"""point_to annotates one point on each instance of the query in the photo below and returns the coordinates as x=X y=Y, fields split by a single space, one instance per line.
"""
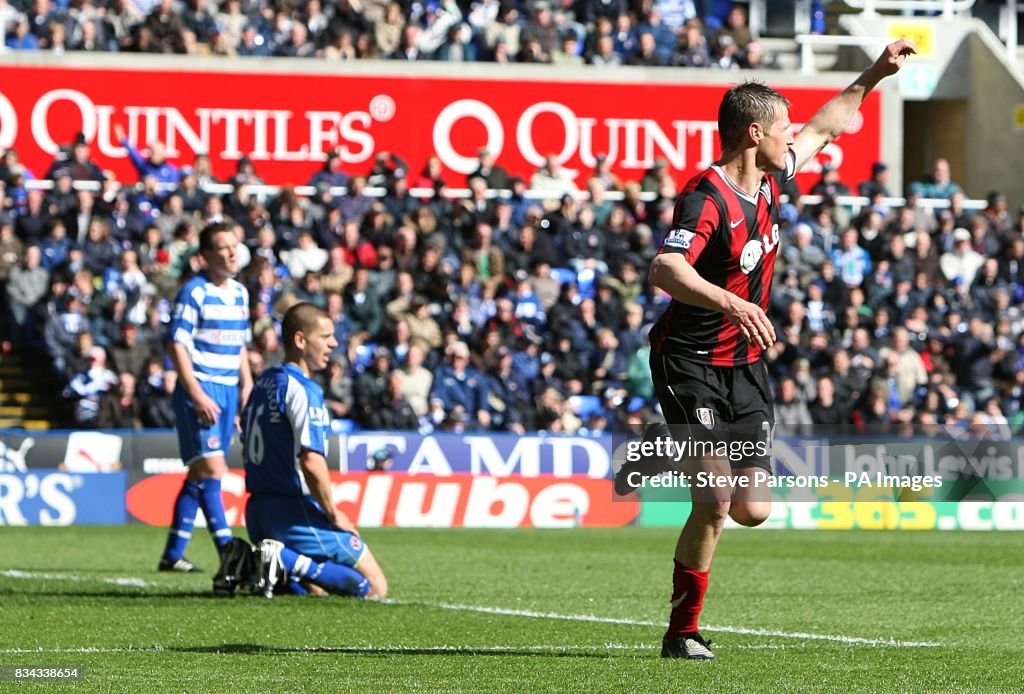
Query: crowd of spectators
x=901 y=321
x=597 y=32
x=512 y=313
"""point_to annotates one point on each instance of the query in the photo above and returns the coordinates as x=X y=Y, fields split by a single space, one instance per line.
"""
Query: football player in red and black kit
x=717 y=263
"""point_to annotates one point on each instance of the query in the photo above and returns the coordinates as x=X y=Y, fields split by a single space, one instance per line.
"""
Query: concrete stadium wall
x=994 y=144
x=961 y=95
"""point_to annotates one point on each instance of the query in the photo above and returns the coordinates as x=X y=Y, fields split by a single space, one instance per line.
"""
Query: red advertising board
x=402 y=500
x=286 y=123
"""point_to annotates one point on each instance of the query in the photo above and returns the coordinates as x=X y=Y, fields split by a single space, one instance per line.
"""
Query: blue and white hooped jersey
x=213 y=323
x=285 y=415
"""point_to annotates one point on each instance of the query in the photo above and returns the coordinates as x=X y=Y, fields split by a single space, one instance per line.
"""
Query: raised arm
x=832 y=118
x=140 y=164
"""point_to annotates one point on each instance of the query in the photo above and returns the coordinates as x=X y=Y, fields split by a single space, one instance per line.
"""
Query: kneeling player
x=290 y=514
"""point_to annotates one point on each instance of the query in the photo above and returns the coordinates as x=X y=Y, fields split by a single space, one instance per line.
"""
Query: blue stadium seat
x=564 y=275
x=343 y=426
x=636 y=403
x=586 y=283
x=364 y=356
x=585 y=405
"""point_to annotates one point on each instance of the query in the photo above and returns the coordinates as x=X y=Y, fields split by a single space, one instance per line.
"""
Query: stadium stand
x=702 y=33
x=895 y=305
x=910 y=309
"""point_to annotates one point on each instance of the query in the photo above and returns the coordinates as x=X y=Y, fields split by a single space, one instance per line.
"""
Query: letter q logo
x=8 y=123
x=446 y=120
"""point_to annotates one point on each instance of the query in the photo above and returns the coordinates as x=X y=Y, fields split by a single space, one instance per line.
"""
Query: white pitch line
x=560 y=648
x=853 y=640
x=525 y=648
x=127 y=581
x=80 y=649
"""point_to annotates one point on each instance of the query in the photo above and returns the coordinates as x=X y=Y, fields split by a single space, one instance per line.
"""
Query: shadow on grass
x=113 y=594
x=257 y=649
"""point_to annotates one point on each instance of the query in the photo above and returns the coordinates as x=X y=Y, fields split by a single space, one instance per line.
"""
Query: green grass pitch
x=528 y=610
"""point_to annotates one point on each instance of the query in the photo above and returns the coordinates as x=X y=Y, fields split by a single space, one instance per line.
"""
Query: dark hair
x=211 y=230
x=750 y=102
x=300 y=318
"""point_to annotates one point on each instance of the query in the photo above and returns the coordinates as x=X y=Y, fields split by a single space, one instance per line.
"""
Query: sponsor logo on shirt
x=755 y=249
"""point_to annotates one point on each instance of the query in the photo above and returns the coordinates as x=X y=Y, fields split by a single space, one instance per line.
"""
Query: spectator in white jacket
x=307 y=256
x=962 y=263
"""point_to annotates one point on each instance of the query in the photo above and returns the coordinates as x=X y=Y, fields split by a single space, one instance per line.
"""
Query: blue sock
x=185 y=508
x=297 y=588
x=334 y=577
x=213 y=508
x=290 y=560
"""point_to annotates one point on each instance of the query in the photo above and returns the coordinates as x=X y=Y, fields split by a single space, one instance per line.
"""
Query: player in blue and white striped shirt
x=208 y=338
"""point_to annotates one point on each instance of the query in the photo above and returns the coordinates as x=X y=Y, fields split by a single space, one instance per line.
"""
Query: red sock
x=688 y=588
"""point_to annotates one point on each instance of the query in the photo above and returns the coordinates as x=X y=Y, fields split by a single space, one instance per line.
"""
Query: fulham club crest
x=706 y=416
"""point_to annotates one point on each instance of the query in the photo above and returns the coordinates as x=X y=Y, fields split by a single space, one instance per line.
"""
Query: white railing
x=261 y=192
x=809 y=41
x=1006 y=30
x=949 y=8
x=1008 y=11
x=854 y=202
x=1008 y=27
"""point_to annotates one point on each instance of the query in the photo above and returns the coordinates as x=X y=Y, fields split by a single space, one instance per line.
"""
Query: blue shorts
x=301 y=526
x=196 y=440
